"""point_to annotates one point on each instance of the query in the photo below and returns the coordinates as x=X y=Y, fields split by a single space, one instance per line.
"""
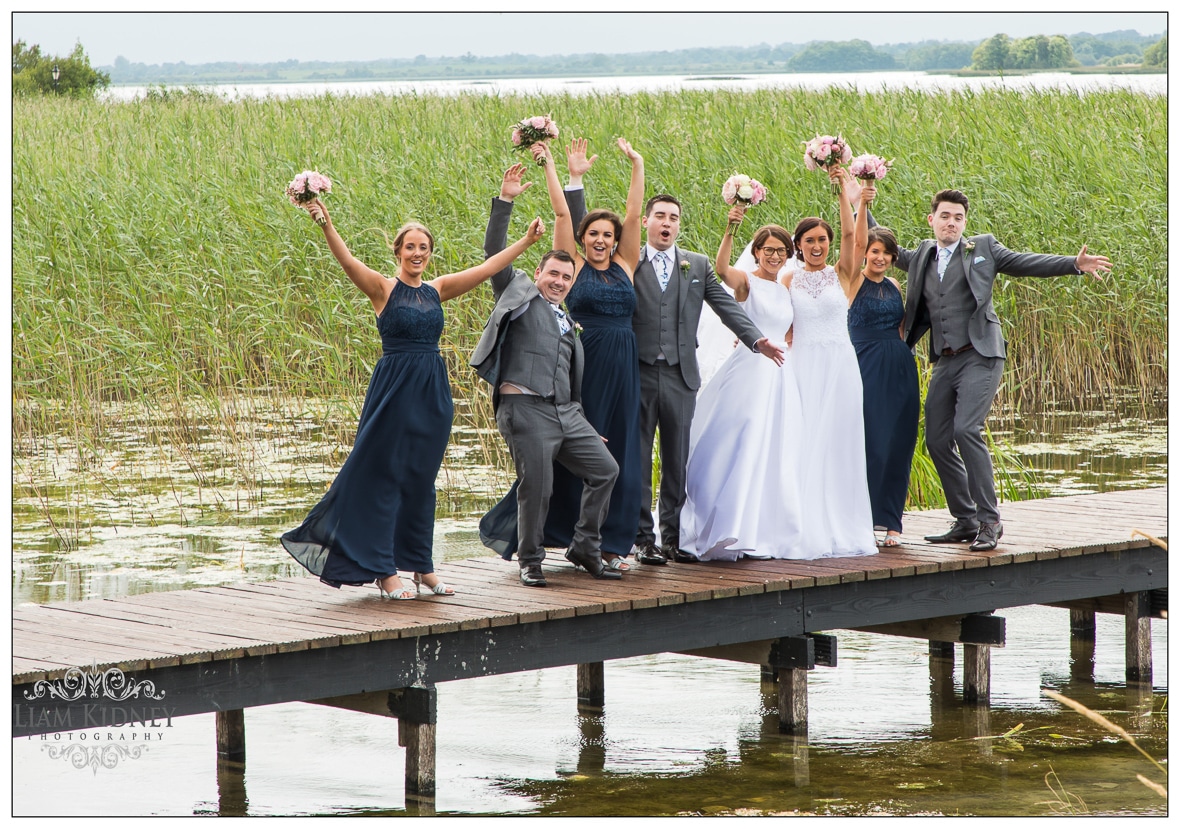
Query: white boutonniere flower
x=685 y=265
x=968 y=246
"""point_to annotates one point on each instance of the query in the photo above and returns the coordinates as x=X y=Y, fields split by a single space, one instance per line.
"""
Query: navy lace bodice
x=877 y=305
x=606 y=293
x=411 y=315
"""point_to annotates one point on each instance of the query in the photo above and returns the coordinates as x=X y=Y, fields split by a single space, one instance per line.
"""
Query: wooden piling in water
x=591 y=687
x=1138 y=623
x=231 y=735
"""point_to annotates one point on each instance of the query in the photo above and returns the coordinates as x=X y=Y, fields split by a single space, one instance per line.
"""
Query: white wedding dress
x=746 y=447
x=838 y=520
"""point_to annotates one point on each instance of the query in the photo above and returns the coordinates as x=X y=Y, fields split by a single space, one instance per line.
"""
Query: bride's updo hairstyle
x=806 y=225
x=765 y=234
x=598 y=216
x=400 y=238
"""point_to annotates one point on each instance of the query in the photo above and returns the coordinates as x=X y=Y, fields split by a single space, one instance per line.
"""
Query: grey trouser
x=666 y=402
x=539 y=432
x=958 y=400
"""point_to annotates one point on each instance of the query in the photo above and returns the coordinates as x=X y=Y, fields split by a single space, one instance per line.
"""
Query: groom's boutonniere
x=968 y=246
x=685 y=265
x=577 y=329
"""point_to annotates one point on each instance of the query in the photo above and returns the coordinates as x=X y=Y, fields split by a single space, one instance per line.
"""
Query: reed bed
x=155 y=257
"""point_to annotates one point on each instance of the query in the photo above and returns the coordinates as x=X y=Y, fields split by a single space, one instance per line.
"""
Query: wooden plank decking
x=240 y=645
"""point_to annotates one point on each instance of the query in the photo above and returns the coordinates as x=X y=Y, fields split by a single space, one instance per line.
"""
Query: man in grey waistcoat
x=949 y=293
x=530 y=354
x=671 y=286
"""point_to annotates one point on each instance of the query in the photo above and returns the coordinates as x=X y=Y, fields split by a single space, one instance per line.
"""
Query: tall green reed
x=155 y=257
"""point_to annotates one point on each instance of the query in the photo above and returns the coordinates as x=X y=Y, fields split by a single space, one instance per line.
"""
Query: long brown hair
x=598 y=216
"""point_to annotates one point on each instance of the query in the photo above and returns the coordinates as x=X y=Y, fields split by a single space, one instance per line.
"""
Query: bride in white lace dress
x=838 y=519
x=745 y=448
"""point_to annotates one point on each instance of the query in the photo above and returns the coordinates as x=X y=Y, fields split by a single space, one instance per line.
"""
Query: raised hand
x=837 y=175
x=852 y=186
x=1092 y=263
x=316 y=208
x=536 y=231
x=575 y=158
x=868 y=192
x=514 y=184
x=628 y=150
x=540 y=152
x=736 y=214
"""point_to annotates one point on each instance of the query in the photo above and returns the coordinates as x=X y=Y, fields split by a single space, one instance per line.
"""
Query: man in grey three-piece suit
x=949 y=293
x=531 y=355
x=671 y=286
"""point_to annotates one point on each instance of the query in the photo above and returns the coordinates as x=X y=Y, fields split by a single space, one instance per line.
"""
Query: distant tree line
x=31 y=71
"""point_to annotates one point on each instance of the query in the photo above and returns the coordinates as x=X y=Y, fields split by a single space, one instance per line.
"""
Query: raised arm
x=737 y=279
x=563 y=229
x=575 y=193
x=495 y=237
x=375 y=286
x=627 y=253
x=846 y=264
x=456 y=284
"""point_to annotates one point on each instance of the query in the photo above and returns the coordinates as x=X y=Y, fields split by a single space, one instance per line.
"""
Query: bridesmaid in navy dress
x=378 y=516
x=890 y=380
x=601 y=303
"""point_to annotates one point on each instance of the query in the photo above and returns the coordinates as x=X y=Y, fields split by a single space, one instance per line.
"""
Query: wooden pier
x=225 y=649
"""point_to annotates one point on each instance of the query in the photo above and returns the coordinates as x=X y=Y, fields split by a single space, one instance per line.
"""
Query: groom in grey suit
x=671 y=286
x=949 y=293
x=531 y=355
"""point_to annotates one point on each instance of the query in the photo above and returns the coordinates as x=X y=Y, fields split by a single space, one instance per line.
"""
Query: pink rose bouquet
x=869 y=167
x=307 y=187
x=741 y=189
x=528 y=131
x=826 y=151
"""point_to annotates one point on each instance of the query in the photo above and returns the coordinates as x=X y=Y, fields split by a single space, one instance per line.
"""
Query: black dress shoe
x=649 y=553
x=989 y=534
x=531 y=575
x=681 y=557
x=592 y=565
x=960 y=531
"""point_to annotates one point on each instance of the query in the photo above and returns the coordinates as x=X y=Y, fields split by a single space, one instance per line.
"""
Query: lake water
x=861 y=81
x=143 y=512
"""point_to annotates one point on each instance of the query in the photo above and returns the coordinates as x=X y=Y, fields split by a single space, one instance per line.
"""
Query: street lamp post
x=56 y=75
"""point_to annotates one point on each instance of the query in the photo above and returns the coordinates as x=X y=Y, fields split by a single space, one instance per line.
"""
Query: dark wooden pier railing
x=225 y=649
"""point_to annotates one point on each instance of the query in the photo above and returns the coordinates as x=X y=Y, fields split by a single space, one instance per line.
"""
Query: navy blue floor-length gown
x=602 y=303
x=378 y=516
x=890 y=380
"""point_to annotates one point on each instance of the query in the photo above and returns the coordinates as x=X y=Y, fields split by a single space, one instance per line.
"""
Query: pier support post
x=1083 y=633
x=1138 y=617
x=977 y=674
x=792 y=700
x=591 y=687
x=416 y=709
x=231 y=735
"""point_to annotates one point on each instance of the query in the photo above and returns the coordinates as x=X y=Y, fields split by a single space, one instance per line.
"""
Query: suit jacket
x=698 y=285
x=514 y=289
x=981 y=263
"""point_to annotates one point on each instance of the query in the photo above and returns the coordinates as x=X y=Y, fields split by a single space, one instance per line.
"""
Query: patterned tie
x=563 y=323
x=662 y=272
x=944 y=258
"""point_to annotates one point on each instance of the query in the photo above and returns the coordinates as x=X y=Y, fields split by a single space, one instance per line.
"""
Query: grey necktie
x=944 y=258
x=662 y=271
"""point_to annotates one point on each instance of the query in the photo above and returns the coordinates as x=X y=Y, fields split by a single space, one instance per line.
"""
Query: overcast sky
x=160 y=37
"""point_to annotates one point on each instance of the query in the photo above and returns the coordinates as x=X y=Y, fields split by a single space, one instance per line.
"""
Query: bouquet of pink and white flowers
x=528 y=131
x=869 y=167
x=307 y=187
x=741 y=189
x=825 y=151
